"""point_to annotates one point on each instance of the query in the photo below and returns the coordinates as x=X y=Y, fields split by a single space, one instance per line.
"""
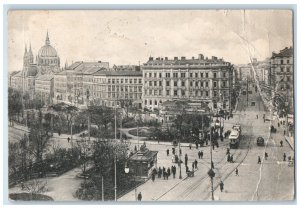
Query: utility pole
x=247 y=90
x=102 y=193
x=211 y=167
x=115 y=177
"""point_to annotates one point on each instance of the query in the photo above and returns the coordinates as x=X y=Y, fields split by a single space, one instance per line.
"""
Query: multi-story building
x=281 y=76
x=60 y=87
x=116 y=87
x=44 y=88
x=196 y=79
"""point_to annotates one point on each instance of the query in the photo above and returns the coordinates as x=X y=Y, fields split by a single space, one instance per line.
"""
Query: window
x=201 y=84
x=183 y=93
x=130 y=80
x=117 y=80
x=155 y=102
x=215 y=93
x=175 y=75
x=150 y=83
x=206 y=75
x=175 y=83
x=155 y=83
x=168 y=83
x=175 y=92
x=154 y=75
x=150 y=75
x=168 y=75
x=145 y=102
x=201 y=75
x=160 y=75
x=182 y=75
x=135 y=80
x=168 y=92
x=224 y=75
x=215 y=75
x=145 y=77
x=191 y=75
x=224 y=84
x=140 y=80
x=201 y=93
x=288 y=61
x=207 y=93
x=196 y=75
x=160 y=83
x=191 y=83
x=159 y=92
x=196 y=83
x=281 y=69
x=113 y=80
x=215 y=84
x=182 y=83
x=206 y=84
x=126 y=80
x=288 y=69
x=281 y=61
x=150 y=102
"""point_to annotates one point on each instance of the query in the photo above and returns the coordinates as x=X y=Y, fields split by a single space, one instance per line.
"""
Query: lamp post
x=115 y=177
x=211 y=173
x=179 y=152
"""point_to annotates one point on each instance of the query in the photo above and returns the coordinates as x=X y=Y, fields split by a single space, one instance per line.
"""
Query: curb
x=289 y=143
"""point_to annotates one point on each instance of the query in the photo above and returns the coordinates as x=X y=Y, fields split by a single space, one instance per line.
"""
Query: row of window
x=126 y=80
x=131 y=96
x=288 y=69
x=183 y=75
x=121 y=88
x=176 y=93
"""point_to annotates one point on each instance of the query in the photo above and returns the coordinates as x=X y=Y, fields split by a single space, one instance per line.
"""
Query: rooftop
x=119 y=73
x=286 y=52
x=45 y=77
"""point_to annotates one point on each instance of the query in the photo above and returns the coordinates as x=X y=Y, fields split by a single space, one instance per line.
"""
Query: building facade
x=281 y=77
x=44 y=88
x=196 y=79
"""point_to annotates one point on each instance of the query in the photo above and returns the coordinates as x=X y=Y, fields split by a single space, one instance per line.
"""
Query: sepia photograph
x=151 y=105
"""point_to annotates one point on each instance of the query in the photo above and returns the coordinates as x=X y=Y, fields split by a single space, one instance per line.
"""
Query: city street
x=254 y=181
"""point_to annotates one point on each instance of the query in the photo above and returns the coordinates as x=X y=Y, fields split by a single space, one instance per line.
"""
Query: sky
x=128 y=37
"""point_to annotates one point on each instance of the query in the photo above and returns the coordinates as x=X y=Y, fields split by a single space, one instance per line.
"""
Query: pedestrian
x=193 y=165
x=68 y=139
x=199 y=154
x=185 y=159
x=259 y=160
x=180 y=153
x=59 y=132
x=284 y=157
x=173 y=171
x=140 y=196
x=256 y=116
x=228 y=158
x=190 y=145
x=159 y=172
x=164 y=175
x=169 y=172
x=196 y=163
x=228 y=151
x=153 y=176
x=167 y=152
x=167 y=175
x=221 y=186
x=236 y=172
x=231 y=159
x=173 y=150
x=186 y=169
x=281 y=143
x=266 y=155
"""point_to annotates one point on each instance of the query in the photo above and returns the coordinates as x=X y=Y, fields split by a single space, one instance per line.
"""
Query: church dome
x=47 y=51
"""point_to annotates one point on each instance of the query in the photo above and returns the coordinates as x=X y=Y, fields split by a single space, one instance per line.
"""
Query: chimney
x=175 y=58
x=99 y=61
x=206 y=58
x=150 y=58
x=166 y=58
x=182 y=58
x=200 y=56
x=193 y=58
x=157 y=58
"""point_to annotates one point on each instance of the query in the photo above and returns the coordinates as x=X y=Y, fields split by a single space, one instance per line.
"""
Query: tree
x=38 y=138
x=15 y=106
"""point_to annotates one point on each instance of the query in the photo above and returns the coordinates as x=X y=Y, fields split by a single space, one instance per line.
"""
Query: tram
x=234 y=138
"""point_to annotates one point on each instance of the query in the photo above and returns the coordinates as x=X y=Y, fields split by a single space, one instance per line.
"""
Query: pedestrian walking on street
x=169 y=171
x=259 y=160
x=164 y=174
x=199 y=154
x=167 y=152
x=68 y=139
x=221 y=186
x=266 y=155
x=173 y=171
x=153 y=177
x=185 y=159
x=196 y=163
x=256 y=116
x=173 y=150
x=140 y=196
x=228 y=158
x=231 y=159
x=228 y=151
x=159 y=172
x=236 y=172
x=284 y=157
x=281 y=143
x=180 y=153
x=193 y=165
x=190 y=145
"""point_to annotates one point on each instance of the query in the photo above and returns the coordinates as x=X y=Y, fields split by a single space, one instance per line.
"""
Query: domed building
x=47 y=55
x=37 y=78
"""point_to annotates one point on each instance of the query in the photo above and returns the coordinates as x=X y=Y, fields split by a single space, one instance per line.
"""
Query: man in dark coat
x=196 y=164
x=167 y=152
x=199 y=154
x=221 y=186
x=259 y=160
x=281 y=143
x=169 y=172
x=153 y=177
x=186 y=159
x=140 y=196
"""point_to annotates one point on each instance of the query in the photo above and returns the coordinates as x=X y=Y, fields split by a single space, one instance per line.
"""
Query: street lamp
x=211 y=173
